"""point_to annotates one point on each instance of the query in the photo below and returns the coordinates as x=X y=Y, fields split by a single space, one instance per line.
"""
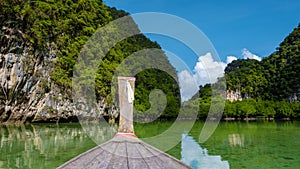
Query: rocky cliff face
x=27 y=93
x=233 y=95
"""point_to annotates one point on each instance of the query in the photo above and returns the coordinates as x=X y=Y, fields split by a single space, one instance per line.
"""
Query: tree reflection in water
x=47 y=145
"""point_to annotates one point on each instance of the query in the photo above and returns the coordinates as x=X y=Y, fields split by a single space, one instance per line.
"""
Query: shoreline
x=227 y=119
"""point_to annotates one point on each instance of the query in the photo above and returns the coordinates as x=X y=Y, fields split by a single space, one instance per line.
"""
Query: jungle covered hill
x=265 y=89
x=39 y=44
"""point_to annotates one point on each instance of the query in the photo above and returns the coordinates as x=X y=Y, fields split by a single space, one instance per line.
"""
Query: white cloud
x=206 y=71
x=188 y=85
x=230 y=59
x=248 y=55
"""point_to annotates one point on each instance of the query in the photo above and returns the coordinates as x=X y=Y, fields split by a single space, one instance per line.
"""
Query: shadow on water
x=197 y=157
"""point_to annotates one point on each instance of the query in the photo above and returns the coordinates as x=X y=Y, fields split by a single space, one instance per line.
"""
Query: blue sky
x=231 y=25
x=236 y=28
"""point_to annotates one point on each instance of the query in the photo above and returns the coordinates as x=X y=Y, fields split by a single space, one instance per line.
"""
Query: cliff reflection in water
x=197 y=157
x=236 y=140
x=47 y=145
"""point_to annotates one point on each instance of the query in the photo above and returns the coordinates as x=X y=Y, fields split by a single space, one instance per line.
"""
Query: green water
x=272 y=145
x=244 y=145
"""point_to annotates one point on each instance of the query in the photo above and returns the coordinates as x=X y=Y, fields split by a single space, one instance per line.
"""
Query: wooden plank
x=124 y=152
x=96 y=161
x=136 y=160
x=81 y=159
x=119 y=158
x=167 y=160
x=88 y=158
x=152 y=160
x=109 y=157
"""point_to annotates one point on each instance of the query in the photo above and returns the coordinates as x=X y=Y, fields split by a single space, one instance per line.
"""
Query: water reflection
x=236 y=140
x=196 y=157
x=48 y=145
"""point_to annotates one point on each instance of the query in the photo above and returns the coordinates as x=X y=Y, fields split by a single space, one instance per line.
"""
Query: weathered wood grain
x=124 y=152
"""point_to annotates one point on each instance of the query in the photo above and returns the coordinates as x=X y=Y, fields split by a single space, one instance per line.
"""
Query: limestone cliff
x=233 y=95
x=27 y=93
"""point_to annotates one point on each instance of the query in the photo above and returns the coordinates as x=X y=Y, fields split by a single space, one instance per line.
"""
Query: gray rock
x=23 y=98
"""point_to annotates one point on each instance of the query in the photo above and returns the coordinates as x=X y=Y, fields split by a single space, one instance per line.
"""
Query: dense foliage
x=251 y=108
x=274 y=78
x=61 y=28
x=269 y=88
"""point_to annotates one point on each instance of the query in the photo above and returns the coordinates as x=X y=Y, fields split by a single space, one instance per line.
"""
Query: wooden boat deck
x=123 y=152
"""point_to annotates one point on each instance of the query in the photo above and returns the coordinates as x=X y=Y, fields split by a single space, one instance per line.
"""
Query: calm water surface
x=234 y=144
